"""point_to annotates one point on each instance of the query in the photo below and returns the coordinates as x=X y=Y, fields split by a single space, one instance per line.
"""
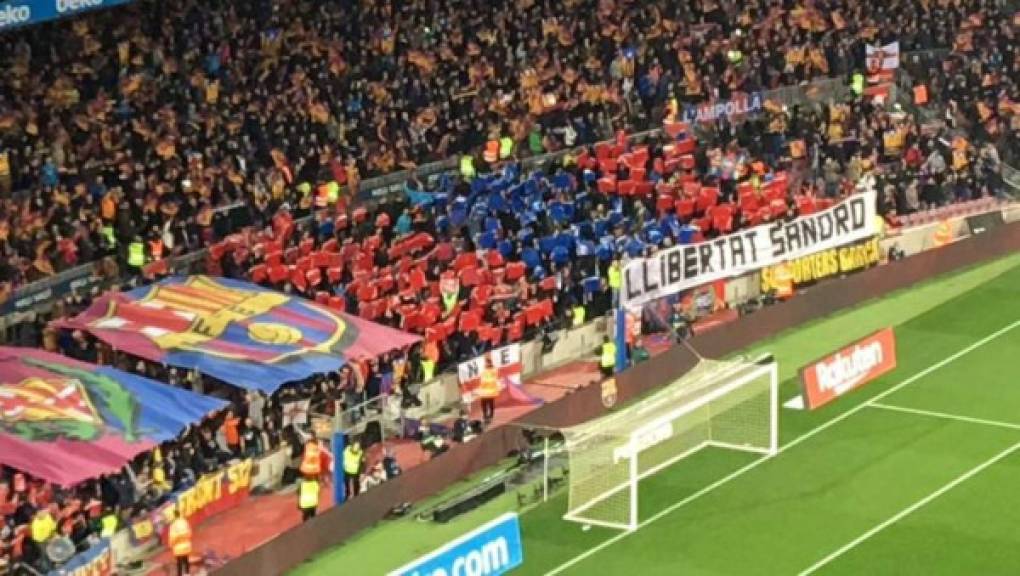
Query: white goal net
x=730 y=405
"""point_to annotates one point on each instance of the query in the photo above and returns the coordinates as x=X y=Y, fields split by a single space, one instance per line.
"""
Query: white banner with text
x=690 y=265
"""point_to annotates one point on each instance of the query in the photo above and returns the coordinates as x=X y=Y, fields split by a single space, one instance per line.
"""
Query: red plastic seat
x=722 y=218
x=685 y=207
x=685 y=146
x=494 y=259
x=314 y=277
x=514 y=271
x=278 y=273
x=548 y=283
x=465 y=260
x=258 y=273
x=664 y=204
x=607 y=185
x=707 y=198
x=298 y=279
x=338 y=303
x=471 y=277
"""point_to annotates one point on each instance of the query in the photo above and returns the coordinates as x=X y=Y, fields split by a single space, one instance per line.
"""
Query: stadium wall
x=340 y=523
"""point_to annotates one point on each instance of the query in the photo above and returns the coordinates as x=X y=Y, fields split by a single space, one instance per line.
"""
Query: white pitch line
x=911 y=509
x=945 y=416
x=810 y=433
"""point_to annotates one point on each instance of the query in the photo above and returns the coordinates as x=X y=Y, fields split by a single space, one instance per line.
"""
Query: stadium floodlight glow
x=729 y=405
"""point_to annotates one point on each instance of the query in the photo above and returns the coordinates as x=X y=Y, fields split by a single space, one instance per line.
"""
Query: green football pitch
x=916 y=473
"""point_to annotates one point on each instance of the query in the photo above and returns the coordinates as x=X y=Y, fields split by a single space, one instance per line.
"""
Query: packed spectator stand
x=152 y=117
x=144 y=120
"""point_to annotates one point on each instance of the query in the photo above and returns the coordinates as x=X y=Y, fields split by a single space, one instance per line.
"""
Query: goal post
x=729 y=405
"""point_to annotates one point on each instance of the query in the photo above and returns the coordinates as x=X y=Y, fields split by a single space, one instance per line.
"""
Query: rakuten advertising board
x=849 y=368
x=490 y=550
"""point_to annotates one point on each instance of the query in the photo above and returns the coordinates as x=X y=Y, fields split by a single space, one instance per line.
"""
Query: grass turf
x=784 y=515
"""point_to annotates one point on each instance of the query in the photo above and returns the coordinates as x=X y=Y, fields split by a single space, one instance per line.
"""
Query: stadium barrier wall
x=338 y=524
x=267 y=474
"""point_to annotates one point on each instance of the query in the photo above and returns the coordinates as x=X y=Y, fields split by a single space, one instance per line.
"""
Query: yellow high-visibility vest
x=428 y=369
x=608 y=355
x=111 y=236
x=308 y=494
x=615 y=276
x=467 y=167
x=108 y=526
x=179 y=537
x=352 y=460
x=578 y=316
x=136 y=255
x=43 y=527
x=489 y=385
x=506 y=147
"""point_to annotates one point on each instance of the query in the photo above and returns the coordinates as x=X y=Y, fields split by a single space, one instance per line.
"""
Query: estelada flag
x=882 y=61
x=67 y=421
x=240 y=333
x=507 y=362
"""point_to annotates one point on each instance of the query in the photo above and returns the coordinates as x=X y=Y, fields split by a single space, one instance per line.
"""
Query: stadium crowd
x=142 y=123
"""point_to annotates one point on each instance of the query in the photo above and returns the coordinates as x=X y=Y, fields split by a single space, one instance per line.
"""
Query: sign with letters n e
x=490 y=550
x=690 y=265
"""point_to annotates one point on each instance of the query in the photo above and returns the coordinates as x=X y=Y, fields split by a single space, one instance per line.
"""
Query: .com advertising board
x=17 y=13
x=490 y=550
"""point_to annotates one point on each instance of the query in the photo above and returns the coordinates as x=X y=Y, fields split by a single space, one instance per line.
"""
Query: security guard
x=311 y=461
x=488 y=390
x=607 y=357
x=615 y=279
x=353 y=457
x=678 y=322
x=136 y=253
x=467 y=167
x=783 y=281
x=179 y=539
x=308 y=498
x=578 y=314
x=506 y=147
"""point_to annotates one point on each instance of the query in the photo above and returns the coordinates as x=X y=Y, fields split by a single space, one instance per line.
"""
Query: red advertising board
x=848 y=369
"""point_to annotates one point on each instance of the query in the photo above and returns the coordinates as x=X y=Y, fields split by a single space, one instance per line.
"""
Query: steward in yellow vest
x=607 y=357
x=308 y=498
x=179 y=540
x=136 y=253
x=352 y=468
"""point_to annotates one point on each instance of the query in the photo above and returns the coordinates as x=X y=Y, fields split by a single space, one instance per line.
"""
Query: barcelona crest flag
x=238 y=332
x=67 y=421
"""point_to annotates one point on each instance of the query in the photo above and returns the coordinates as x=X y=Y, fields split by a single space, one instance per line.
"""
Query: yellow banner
x=827 y=263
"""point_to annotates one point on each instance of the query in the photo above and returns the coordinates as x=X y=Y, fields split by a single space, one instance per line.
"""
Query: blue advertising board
x=490 y=550
x=17 y=13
